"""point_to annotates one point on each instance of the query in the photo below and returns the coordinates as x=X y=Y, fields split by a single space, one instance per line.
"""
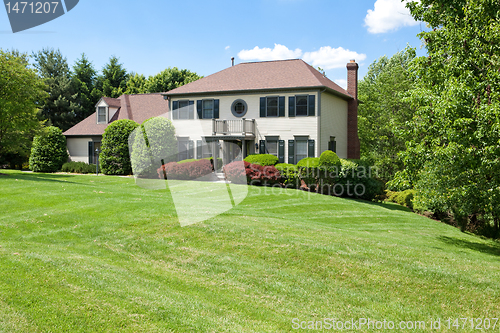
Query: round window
x=239 y=108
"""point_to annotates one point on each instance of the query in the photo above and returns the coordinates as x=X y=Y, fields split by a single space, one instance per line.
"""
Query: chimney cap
x=352 y=60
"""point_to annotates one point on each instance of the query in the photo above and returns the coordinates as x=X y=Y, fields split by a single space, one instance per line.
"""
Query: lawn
x=87 y=253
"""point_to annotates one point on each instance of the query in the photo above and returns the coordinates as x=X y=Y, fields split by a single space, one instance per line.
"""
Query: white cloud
x=279 y=52
x=328 y=57
x=341 y=82
x=227 y=47
x=388 y=15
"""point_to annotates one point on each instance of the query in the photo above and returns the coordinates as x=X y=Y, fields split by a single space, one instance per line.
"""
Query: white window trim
x=106 y=108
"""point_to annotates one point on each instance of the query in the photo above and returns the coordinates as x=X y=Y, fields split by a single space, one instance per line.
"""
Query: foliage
x=199 y=170
x=235 y=172
x=329 y=169
x=20 y=94
x=262 y=159
x=153 y=144
x=136 y=84
x=403 y=198
x=48 y=152
x=78 y=167
x=289 y=175
x=114 y=157
x=384 y=111
x=113 y=81
x=308 y=169
x=453 y=147
x=255 y=174
x=357 y=181
x=400 y=182
x=61 y=107
x=169 y=79
x=84 y=79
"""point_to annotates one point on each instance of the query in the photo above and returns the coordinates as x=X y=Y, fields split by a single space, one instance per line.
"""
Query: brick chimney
x=352 y=111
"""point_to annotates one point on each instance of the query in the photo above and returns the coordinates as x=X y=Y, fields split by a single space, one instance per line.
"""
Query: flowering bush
x=255 y=174
x=186 y=171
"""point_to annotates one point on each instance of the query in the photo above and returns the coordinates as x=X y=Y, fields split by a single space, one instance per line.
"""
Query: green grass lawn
x=87 y=253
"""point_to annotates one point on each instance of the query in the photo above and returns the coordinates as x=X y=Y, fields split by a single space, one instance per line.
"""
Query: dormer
x=106 y=108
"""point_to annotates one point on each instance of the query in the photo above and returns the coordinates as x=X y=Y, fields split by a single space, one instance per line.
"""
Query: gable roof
x=134 y=107
x=265 y=75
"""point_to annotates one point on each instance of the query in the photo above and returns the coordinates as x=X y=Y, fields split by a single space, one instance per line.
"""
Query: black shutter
x=310 y=148
x=262 y=107
x=291 y=106
x=281 y=151
x=291 y=151
x=199 y=149
x=312 y=106
x=216 y=108
x=191 y=149
x=175 y=110
x=199 y=109
x=91 y=152
x=332 y=145
x=191 y=109
x=281 y=105
x=262 y=146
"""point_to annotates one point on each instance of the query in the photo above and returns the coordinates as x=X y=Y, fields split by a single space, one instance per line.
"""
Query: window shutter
x=216 y=108
x=291 y=151
x=175 y=110
x=191 y=149
x=262 y=146
x=312 y=106
x=332 y=145
x=191 y=109
x=91 y=152
x=291 y=106
x=262 y=107
x=199 y=109
x=281 y=151
x=281 y=105
x=199 y=149
x=310 y=148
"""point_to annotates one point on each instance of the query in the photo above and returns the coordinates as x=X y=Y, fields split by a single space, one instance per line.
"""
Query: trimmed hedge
x=262 y=159
x=79 y=167
x=308 y=169
x=255 y=174
x=49 y=152
x=289 y=175
x=403 y=198
x=356 y=181
x=199 y=169
x=115 y=157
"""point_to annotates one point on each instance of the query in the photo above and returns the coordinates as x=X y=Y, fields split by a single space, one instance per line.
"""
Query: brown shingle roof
x=135 y=107
x=281 y=74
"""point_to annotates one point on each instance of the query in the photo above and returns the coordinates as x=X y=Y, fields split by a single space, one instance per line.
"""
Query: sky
x=202 y=36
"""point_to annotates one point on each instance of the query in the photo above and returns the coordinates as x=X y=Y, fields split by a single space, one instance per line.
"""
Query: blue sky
x=202 y=36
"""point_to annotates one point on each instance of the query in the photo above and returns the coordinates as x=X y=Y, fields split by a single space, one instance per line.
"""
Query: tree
x=115 y=156
x=384 y=112
x=48 y=153
x=452 y=157
x=113 y=81
x=136 y=84
x=22 y=91
x=60 y=108
x=169 y=79
x=84 y=82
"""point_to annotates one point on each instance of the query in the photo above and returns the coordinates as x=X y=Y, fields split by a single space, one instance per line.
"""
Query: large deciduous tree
x=21 y=93
x=453 y=157
x=169 y=79
x=384 y=112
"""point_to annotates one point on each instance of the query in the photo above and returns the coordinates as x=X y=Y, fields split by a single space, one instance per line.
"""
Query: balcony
x=243 y=127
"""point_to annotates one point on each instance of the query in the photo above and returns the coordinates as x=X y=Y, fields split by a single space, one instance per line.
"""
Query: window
x=272 y=106
x=301 y=150
x=208 y=109
x=239 y=108
x=183 y=148
x=183 y=109
x=203 y=149
x=101 y=115
x=272 y=147
x=301 y=105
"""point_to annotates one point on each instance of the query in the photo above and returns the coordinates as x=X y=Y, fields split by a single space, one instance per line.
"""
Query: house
x=285 y=108
x=85 y=137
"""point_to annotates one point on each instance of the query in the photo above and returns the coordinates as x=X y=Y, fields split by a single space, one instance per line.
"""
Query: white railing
x=240 y=126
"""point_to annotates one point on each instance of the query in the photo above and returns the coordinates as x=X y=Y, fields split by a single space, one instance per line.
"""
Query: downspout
x=319 y=121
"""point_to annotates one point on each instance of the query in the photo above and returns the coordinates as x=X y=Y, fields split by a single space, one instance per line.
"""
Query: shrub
x=329 y=159
x=115 y=156
x=329 y=169
x=404 y=198
x=219 y=162
x=356 y=181
x=308 y=169
x=289 y=175
x=400 y=182
x=153 y=144
x=186 y=171
x=255 y=174
x=262 y=159
x=78 y=167
x=48 y=152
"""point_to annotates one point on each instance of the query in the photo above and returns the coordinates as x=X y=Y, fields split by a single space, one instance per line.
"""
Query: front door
x=232 y=151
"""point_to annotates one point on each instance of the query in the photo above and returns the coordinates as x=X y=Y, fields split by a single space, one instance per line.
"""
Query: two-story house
x=285 y=108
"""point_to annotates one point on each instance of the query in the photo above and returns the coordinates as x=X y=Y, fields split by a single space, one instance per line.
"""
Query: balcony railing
x=245 y=127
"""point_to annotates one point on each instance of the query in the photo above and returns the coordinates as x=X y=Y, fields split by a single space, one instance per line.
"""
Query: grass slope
x=86 y=253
